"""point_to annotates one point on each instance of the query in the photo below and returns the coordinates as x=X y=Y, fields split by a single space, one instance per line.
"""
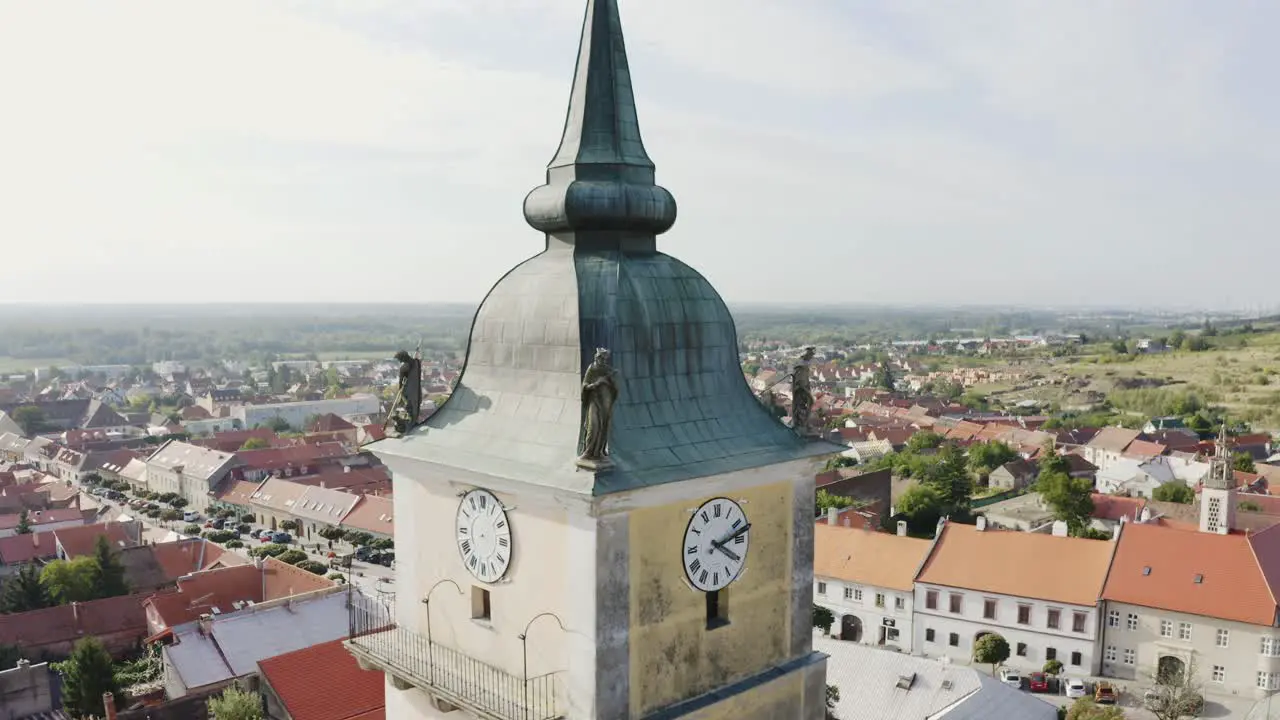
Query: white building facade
x=883 y=615
x=948 y=621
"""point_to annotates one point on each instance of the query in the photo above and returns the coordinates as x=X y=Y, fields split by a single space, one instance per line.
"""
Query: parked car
x=190 y=516
x=1075 y=688
x=1104 y=693
x=99 y=491
x=340 y=561
x=1038 y=682
x=1010 y=677
x=281 y=537
x=265 y=535
x=364 y=552
x=216 y=523
x=115 y=495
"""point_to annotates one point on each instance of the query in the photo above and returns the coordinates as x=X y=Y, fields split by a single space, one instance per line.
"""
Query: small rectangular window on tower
x=717 y=609
x=480 y=608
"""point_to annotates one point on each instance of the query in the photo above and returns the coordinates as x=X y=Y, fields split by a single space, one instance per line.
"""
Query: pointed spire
x=601 y=178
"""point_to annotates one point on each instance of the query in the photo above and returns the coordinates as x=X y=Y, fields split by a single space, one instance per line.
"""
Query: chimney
x=1145 y=516
x=846 y=522
x=982 y=523
x=109 y=705
x=1115 y=533
x=902 y=528
x=322 y=485
x=1059 y=528
x=75 y=612
x=833 y=516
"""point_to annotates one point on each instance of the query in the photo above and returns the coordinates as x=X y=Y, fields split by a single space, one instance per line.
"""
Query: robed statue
x=599 y=393
x=407 y=407
x=801 y=393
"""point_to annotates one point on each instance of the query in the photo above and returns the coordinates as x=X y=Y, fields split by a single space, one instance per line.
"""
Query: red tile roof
x=1145 y=449
x=324 y=682
x=1111 y=507
x=863 y=519
x=199 y=593
x=37 y=518
x=294 y=456
x=71 y=622
x=1157 y=566
x=77 y=541
x=372 y=514
x=18 y=549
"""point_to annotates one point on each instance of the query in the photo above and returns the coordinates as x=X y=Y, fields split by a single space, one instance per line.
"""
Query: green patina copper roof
x=684 y=408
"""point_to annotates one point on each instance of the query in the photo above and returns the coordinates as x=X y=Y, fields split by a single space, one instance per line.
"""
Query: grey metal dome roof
x=684 y=409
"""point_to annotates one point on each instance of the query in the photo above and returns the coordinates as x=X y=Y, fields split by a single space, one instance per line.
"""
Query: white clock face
x=715 y=544
x=484 y=536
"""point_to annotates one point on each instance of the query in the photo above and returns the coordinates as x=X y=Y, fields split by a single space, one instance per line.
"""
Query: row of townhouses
x=1159 y=596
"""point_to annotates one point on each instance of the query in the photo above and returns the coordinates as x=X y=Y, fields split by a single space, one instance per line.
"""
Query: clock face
x=484 y=536
x=715 y=544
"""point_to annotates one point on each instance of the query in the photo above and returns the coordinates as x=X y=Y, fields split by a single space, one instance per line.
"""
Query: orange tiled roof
x=1030 y=565
x=1112 y=507
x=324 y=682
x=1145 y=449
x=372 y=514
x=1233 y=585
x=82 y=539
x=863 y=556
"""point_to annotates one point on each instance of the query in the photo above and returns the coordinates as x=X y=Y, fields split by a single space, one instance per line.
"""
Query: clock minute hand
x=730 y=536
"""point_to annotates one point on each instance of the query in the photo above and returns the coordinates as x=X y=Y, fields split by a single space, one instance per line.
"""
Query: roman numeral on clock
x=695 y=565
x=740 y=539
x=692 y=550
x=503 y=542
x=716 y=510
x=466 y=547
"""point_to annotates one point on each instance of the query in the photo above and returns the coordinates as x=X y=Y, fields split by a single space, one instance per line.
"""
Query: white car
x=190 y=516
x=1075 y=688
x=1011 y=678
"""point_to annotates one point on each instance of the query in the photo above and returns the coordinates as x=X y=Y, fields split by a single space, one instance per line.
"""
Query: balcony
x=446 y=674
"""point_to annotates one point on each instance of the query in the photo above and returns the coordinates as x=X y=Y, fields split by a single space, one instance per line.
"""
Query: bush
x=383 y=544
x=289 y=526
x=312 y=566
x=153 y=513
x=170 y=515
x=337 y=577
x=167 y=497
x=269 y=550
x=224 y=513
x=244 y=528
x=1053 y=667
x=234 y=544
x=247 y=518
x=293 y=557
x=220 y=536
x=178 y=502
x=192 y=529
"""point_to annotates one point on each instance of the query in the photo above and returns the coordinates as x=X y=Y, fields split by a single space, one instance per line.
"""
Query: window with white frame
x=1166 y=628
x=857 y=594
x=848 y=593
x=1113 y=619
x=822 y=588
x=1130 y=656
x=1223 y=637
x=879 y=600
x=1184 y=631
x=899 y=603
x=1269 y=646
x=1219 y=673
x=1110 y=654
x=1132 y=622
x=1268 y=681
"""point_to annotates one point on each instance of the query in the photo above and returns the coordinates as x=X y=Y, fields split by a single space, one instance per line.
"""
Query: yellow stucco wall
x=673 y=655
x=776 y=700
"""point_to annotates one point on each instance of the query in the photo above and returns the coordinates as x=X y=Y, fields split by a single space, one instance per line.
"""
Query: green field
x=9 y=365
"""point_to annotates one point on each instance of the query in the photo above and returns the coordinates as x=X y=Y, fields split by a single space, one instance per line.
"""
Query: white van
x=190 y=516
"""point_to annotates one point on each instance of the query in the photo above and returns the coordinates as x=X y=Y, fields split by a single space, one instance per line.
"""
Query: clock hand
x=730 y=536
x=732 y=555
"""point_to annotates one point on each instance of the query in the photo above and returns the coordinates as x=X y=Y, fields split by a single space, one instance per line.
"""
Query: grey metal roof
x=684 y=408
x=237 y=641
x=868 y=680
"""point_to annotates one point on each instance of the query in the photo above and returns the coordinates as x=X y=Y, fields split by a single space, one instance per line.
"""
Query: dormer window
x=1199 y=579
x=1146 y=570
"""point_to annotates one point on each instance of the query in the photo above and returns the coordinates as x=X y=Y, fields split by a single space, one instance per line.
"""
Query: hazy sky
x=894 y=151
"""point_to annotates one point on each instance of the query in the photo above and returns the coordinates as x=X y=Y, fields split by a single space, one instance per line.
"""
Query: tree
x=823 y=619
x=331 y=532
x=839 y=461
x=986 y=457
x=948 y=474
x=1070 y=499
x=1086 y=709
x=70 y=581
x=235 y=704
x=833 y=699
x=1177 y=339
x=1174 y=491
x=30 y=418
x=279 y=424
x=24 y=522
x=110 y=580
x=991 y=649
x=171 y=514
x=922 y=507
x=255 y=443
x=826 y=501
x=1052 y=667
x=1175 y=694
x=289 y=526
x=1243 y=462
x=884 y=377
x=924 y=440
x=24 y=592
x=86 y=675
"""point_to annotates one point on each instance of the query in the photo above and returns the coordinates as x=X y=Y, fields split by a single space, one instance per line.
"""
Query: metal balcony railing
x=446 y=672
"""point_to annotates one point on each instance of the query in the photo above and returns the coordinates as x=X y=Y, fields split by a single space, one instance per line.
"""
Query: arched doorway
x=850 y=628
x=1169 y=670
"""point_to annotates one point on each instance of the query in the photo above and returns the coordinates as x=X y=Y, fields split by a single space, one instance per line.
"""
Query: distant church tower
x=1218 y=496
x=602 y=521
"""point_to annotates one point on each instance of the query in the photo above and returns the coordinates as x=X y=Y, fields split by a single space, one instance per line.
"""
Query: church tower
x=602 y=521
x=1218 y=496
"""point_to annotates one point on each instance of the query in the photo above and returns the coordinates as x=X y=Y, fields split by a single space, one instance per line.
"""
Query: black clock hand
x=730 y=536
x=732 y=555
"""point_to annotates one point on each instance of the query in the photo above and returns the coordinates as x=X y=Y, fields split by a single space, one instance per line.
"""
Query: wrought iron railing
x=449 y=673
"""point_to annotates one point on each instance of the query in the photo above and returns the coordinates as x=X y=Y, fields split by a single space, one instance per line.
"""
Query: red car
x=1038 y=682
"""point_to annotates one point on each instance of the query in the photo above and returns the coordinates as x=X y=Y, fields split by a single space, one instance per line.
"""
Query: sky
x=907 y=152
